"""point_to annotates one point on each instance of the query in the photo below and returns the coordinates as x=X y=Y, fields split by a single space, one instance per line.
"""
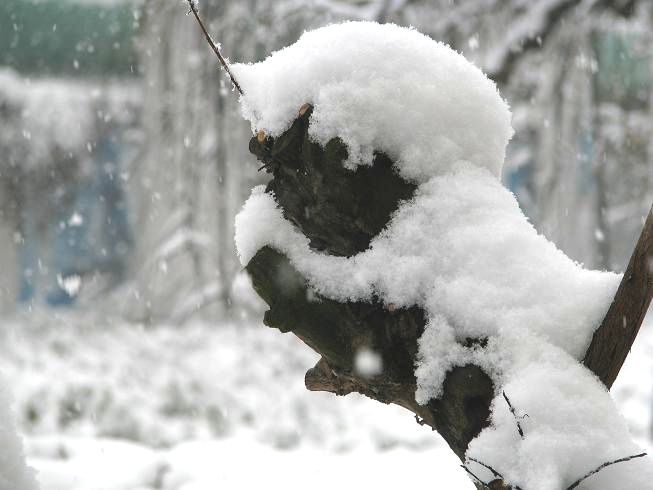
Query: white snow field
x=112 y=407
x=461 y=248
x=108 y=406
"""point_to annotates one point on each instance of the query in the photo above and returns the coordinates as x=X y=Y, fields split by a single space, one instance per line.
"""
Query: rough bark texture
x=612 y=340
x=340 y=211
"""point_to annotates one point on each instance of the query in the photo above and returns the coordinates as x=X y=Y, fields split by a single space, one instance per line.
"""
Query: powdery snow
x=67 y=463
x=422 y=104
x=104 y=369
x=461 y=248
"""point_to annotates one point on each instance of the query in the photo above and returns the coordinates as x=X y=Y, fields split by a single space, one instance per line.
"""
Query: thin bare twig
x=193 y=8
x=474 y=476
x=604 y=465
x=494 y=472
x=514 y=414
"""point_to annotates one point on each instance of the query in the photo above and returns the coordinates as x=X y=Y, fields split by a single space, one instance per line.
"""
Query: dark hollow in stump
x=340 y=211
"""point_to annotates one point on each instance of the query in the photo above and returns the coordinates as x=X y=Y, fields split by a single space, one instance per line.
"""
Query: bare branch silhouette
x=514 y=414
x=604 y=465
x=216 y=49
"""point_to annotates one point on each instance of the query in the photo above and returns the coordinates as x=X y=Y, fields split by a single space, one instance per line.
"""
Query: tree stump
x=340 y=211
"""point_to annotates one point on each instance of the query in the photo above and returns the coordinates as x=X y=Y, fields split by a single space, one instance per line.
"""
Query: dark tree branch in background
x=625 y=8
x=533 y=39
x=612 y=341
x=193 y=8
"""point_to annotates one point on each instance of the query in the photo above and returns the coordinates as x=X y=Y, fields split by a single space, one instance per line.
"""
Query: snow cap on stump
x=381 y=87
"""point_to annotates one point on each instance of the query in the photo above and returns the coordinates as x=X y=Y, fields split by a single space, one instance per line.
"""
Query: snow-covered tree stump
x=341 y=212
x=387 y=243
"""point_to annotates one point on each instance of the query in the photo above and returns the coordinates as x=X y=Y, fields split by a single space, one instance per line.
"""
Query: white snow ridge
x=461 y=248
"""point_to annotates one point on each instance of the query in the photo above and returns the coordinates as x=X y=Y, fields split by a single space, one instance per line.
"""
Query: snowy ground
x=113 y=407
x=234 y=463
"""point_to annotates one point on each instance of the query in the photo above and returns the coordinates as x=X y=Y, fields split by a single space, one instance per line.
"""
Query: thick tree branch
x=612 y=341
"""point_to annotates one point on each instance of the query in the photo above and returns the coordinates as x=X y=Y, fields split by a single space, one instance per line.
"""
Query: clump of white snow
x=570 y=425
x=460 y=248
x=14 y=473
x=382 y=88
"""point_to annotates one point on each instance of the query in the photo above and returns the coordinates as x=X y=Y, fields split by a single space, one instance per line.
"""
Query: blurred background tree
x=576 y=73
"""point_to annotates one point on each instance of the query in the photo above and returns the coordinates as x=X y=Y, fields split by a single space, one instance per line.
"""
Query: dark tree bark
x=612 y=340
x=340 y=211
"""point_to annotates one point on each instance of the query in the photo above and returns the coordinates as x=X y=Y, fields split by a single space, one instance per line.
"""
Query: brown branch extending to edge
x=612 y=341
x=193 y=8
x=604 y=465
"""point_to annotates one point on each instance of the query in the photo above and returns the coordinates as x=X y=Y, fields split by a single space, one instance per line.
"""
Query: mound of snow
x=382 y=88
x=460 y=248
